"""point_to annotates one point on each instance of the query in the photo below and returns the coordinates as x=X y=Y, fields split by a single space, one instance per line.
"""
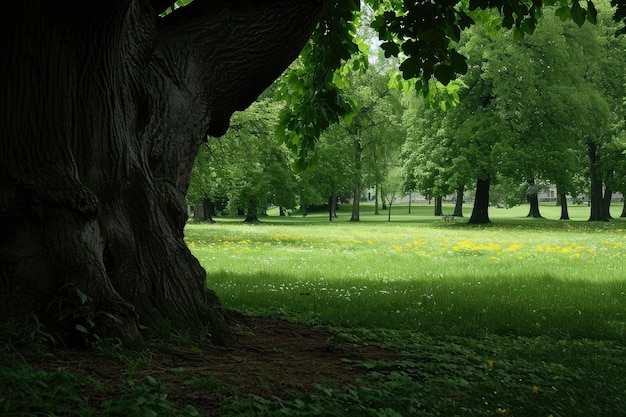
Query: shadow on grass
x=541 y=305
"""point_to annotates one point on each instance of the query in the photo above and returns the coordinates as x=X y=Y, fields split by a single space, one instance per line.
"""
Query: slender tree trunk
x=389 y=212
x=564 y=211
x=439 y=206
x=358 y=153
x=596 y=200
x=458 y=206
x=383 y=198
x=376 y=200
x=480 y=213
x=107 y=111
x=356 y=206
x=410 y=200
x=303 y=205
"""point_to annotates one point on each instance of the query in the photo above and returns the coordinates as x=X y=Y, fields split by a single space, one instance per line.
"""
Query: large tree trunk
x=103 y=109
x=208 y=209
x=596 y=199
x=623 y=206
x=458 y=205
x=564 y=211
x=480 y=212
x=533 y=201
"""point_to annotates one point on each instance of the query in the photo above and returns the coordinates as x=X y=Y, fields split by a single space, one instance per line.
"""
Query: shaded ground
x=269 y=357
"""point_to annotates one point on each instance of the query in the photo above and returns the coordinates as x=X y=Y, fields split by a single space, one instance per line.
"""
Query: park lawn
x=515 y=276
x=521 y=317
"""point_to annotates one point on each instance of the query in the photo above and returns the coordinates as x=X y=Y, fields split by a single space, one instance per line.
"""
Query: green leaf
x=81 y=328
x=592 y=13
x=390 y=48
x=82 y=296
x=579 y=15
x=458 y=62
x=444 y=73
x=410 y=68
x=564 y=13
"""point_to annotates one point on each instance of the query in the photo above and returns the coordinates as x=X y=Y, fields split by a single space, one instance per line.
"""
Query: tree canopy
x=424 y=35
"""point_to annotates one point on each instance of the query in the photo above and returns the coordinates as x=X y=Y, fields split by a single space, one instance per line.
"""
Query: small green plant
x=75 y=309
x=27 y=391
x=135 y=361
x=27 y=331
x=145 y=399
x=210 y=383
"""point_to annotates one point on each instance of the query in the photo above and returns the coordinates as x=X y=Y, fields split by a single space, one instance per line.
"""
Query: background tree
x=246 y=167
x=377 y=130
x=332 y=175
x=538 y=82
x=392 y=187
x=206 y=187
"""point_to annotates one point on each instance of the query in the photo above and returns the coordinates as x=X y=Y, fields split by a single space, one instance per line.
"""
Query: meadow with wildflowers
x=521 y=317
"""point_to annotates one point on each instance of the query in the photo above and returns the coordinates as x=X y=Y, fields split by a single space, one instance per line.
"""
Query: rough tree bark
x=103 y=108
x=480 y=212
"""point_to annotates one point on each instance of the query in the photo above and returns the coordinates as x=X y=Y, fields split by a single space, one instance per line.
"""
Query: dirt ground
x=268 y=357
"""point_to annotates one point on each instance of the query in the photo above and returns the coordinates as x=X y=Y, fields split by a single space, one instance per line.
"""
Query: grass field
x=516 y=276
x=522 y=317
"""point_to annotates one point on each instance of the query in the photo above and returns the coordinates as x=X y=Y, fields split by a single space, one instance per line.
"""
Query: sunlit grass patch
x=508 y=278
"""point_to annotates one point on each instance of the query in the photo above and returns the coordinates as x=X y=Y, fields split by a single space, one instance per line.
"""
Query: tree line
x=546 y=108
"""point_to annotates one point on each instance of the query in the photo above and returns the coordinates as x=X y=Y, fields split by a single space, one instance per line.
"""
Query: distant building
x=549 y=193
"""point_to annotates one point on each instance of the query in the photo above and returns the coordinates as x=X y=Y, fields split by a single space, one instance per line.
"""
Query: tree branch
x=234 y=50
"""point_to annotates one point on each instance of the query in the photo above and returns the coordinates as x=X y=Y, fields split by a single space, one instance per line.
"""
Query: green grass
x=514 y=277
x=522 y=317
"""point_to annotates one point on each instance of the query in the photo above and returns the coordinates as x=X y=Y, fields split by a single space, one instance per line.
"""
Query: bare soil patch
x=268 y=357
